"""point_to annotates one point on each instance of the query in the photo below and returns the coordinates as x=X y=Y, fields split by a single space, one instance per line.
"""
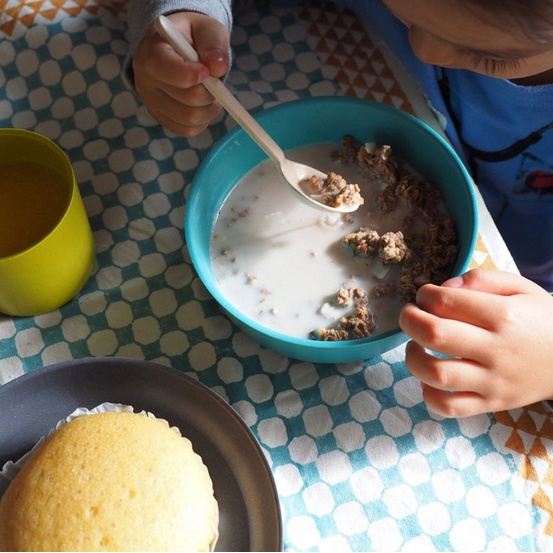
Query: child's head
x=509 y=39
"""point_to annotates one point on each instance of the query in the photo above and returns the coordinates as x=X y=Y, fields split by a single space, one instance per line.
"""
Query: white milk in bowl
x=285 y=265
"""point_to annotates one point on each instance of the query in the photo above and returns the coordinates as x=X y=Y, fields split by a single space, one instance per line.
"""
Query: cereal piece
x=387 y=200
x=329 y=334
x=383 y=289
x=393 y=248
x=334 y=183
x=418 y=194
x=348 y=150
x=376 y=163
x=334 y=191
x=360 y=325
x=347 y=296
x=441 y=248
x=351 y=327
x=313 y=183
x=244 y=213
x=337 y=192
x=365 y=241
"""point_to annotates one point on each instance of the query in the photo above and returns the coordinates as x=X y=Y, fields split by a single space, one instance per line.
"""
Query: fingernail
x=216 y=54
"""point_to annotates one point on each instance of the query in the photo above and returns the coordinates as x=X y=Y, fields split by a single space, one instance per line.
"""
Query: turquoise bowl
x=315 y=121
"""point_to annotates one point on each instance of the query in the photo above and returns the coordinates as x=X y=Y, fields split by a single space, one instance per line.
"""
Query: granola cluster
x=424 y=249
x=333 y=191
x=432 y=244
x=351 y=327
x=391 y=246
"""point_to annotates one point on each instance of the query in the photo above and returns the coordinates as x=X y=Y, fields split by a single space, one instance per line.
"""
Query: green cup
x=46 y=245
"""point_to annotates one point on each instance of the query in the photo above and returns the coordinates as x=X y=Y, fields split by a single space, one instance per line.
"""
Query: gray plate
x=32 y=404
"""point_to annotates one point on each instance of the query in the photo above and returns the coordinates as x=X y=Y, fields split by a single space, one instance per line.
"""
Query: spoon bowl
x=292 y=173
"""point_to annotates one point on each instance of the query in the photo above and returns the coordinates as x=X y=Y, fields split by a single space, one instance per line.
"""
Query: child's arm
x=498 y=329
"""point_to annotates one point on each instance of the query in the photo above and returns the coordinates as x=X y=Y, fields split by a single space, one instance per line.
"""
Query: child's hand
x=169 y=86
x=498 y=328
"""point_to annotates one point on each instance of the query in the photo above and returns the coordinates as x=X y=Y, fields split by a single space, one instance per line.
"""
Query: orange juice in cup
x=46 y=244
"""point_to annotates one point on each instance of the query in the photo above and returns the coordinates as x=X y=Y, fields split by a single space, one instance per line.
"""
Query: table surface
x=359 y=462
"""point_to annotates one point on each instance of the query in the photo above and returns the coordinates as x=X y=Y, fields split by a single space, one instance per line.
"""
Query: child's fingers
x=469 y=306
x=454 y=405
x=445 y=335
x=451 y=387
x=449 y=374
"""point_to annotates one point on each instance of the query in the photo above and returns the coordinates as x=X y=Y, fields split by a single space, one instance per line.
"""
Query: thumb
x=212 y=42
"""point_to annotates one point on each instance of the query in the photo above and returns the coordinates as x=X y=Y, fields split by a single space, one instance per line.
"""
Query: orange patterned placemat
x=349 y=56
x=528 y=434
x=14 y=13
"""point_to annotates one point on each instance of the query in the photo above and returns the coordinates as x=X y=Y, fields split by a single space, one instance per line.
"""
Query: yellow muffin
x=111 y=482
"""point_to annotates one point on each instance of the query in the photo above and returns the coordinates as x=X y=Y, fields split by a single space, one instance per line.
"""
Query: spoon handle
x=221 y=93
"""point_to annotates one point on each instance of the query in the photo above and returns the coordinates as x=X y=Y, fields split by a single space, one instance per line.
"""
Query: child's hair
x=533 y=17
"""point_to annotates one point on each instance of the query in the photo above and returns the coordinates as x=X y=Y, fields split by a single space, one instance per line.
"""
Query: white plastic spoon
x=291 y=172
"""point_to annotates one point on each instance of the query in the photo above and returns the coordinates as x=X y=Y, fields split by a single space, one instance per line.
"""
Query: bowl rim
x=231 y=136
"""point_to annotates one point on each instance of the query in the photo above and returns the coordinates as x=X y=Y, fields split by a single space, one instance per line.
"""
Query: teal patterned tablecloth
x=359 y=462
